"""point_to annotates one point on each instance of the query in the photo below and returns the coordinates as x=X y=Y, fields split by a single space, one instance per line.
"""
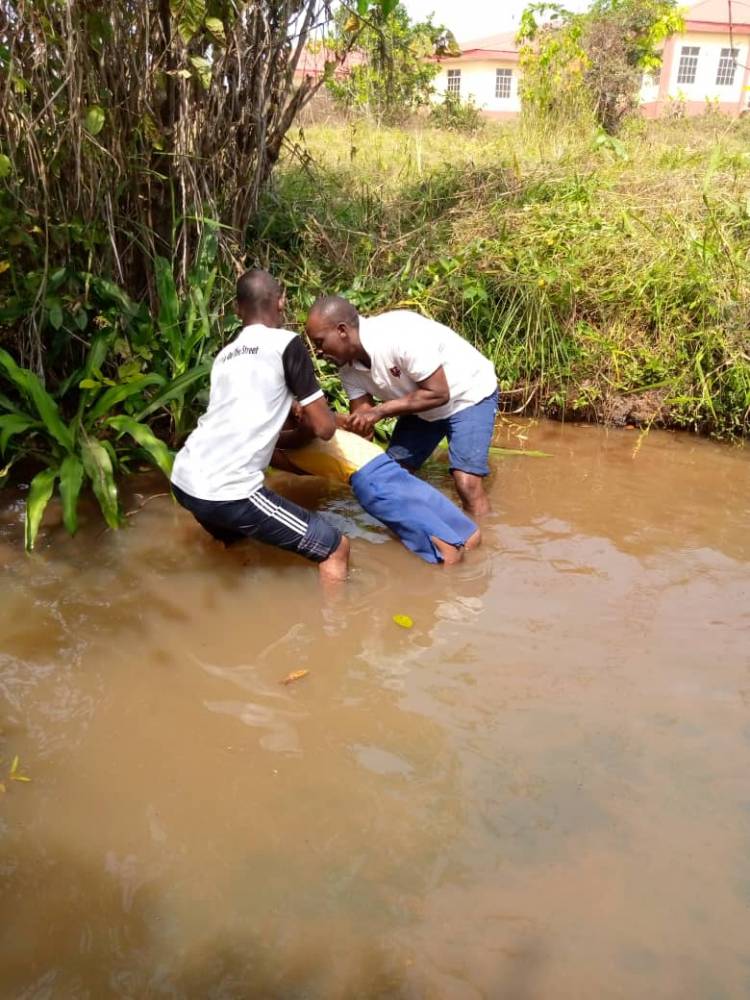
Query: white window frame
x=687 y=70
x=727 y=67
x=453 y=85
x=503 y=83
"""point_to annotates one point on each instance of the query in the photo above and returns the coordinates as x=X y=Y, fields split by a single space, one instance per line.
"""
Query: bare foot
x=473 y=541
x=450 y=553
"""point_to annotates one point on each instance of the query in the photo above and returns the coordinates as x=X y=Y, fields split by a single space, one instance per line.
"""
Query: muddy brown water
x=541 y=790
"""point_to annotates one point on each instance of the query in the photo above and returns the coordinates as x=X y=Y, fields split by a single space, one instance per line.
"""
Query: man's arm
x=300 y=377
x=429 y=394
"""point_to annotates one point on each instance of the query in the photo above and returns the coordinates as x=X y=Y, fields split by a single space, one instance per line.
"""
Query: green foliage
x=394 y=77
x=606 y=279
x=578 y=65
x=83 y=446
x=456 y=115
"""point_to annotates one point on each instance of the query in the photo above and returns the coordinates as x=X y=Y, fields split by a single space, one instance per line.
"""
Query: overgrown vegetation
x=391 y=77
x=582 y=66
x=127 y=128
x=606 y=277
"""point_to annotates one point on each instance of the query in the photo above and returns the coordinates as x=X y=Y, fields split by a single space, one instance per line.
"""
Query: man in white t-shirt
x=425 y=374
x=218 y=474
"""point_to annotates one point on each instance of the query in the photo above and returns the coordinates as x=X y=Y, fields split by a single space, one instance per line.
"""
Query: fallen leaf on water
x=403 y=620
x=296 y=675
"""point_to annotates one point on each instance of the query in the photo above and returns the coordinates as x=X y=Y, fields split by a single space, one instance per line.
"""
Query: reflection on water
x=540 y=790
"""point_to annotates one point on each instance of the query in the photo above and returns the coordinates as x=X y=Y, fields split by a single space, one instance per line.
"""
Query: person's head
x=260 y=299
x=333 y=328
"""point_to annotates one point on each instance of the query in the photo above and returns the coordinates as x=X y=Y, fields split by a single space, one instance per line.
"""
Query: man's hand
x=363 y=421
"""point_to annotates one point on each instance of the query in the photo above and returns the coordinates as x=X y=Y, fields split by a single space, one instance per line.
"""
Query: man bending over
x=425 y=374
x=218 y=474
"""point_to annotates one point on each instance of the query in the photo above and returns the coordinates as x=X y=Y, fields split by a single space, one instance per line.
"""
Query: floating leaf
x=13 y=773
x=93 y=120
x=403 y=620
x=296 y=675
x=519 y=452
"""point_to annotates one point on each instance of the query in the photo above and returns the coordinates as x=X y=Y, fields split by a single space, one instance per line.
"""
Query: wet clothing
x=265 y=517
x=411 y=508
x=469 y=433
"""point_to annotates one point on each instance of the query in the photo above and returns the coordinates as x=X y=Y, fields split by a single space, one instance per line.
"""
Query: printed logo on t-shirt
x=244 y=349
x=395 y=371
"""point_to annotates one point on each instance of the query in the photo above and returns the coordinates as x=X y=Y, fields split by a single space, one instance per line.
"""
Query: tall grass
x=607 y=279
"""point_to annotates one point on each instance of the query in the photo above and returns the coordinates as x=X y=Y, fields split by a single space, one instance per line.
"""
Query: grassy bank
x=607 y=279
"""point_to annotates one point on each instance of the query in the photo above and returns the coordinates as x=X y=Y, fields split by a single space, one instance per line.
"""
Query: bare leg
x=471 y=490
x=450 y=553
x=335 y=567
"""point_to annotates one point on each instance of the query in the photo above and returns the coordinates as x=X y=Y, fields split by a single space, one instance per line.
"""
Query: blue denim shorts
x=411 y=508
x=469 y=434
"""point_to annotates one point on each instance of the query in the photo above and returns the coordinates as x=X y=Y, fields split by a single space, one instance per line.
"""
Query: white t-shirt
x=406 y=348
x=253 y=382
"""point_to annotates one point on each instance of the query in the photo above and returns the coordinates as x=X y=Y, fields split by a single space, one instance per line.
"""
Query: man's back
x=252 y=384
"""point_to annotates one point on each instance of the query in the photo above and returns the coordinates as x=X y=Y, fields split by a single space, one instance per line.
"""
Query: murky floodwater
x=542 y=790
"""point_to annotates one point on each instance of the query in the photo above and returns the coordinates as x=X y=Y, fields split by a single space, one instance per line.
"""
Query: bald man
x=422 y=372
x=219 y=473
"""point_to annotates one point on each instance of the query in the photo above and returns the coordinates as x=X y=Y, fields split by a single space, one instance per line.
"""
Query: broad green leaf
x=202 y=67
x=40 y=491
x=120 y=392
x=96 y=356
x=387 y=6
x=89 y=383
x=169 y=304
x=189 y=15
x=5 y=165
x=71 y=480
x=55 y=316
x=140 y=433
x=216 y=27
x=93 y=120
x=14 y=423
x=177 y=388
x=35 y=392
x=98 y=466
x=362 y=7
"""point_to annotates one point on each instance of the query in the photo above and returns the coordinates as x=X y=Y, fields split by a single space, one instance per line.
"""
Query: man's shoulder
x=389 y=328
x=255 y=339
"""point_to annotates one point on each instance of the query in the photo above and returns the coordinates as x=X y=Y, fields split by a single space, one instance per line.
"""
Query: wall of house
x=658 y=95
x=478 y=82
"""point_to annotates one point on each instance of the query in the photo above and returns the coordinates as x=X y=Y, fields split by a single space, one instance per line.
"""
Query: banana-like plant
x=88 y=446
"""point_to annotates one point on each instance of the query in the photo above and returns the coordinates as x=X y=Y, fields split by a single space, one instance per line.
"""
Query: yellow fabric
x=337 y=459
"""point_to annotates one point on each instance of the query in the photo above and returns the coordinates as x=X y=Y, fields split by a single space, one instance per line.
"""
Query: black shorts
x=266 y=517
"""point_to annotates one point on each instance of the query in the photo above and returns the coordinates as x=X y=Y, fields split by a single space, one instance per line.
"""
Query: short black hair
x=258 y=289
x=335 y=309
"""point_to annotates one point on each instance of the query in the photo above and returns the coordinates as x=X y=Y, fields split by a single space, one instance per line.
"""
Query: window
x=454 y=81
x=727 y=66
x=688 y=64
x=502 y=83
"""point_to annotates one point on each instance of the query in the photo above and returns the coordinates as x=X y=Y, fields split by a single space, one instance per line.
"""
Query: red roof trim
x=716 y=27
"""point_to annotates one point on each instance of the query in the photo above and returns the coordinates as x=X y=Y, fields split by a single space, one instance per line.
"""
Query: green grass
x=605 y=279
